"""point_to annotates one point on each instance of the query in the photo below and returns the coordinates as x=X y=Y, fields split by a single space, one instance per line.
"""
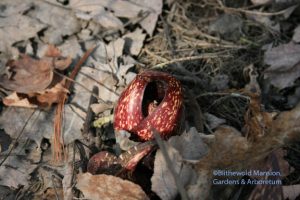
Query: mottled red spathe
x=163 y=117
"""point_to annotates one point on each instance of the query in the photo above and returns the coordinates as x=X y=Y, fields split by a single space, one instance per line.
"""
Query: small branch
x=281 y=12
x=58 y=146
x=89 y=114
x=197 y=112
x=191 y=58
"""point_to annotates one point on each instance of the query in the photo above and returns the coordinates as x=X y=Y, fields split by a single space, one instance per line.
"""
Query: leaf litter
x=239 y=127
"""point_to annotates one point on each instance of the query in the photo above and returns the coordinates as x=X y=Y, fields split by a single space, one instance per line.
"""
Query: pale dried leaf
x=17 y=28
x=266 y=21
x=213 y=121
x=107 y=187
x=102 y=17
x=288 y=11
x=16 y=172
x=9 y=8
x=114 y=50
x=89 y=77
x=129 y=77
x=100 y=107
x=73 y=124
x=296 y=36
x=38 y=127
x=71 y=48
x=14 y=100
x=56 y=18
x=41 y=124
x=284 y=64
x=134 y=41
x=120 y=8
x=99 y=54
x=260 y=2
x=189 y=144
x=155 y=9
x=228 y=26
x=122 y=72
x=291 y=191
x=163 y=183
x=108 y=20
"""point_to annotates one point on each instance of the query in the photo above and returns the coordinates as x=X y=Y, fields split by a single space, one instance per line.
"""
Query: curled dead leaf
x=27 y=75
x=108 y=187
x=15 y=100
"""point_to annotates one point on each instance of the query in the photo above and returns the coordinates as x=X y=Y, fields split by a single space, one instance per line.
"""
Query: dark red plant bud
x=107 y=163
x=152 y=100
x=103 y=162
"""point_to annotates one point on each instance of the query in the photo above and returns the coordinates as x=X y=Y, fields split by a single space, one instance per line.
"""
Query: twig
x=197 y=112
x=222 y=94
x=89 y=114
x=163 y=149
x=55 y=188
x=17 y=138
x=58 y=146
x=78 y=66
x=202 y=56
x=281 y=12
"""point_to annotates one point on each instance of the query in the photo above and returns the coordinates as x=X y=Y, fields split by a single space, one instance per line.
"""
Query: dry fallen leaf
x=16 y=172
x=284 y=64
x=33 y=80
x=18 y=101
x=227 y=26
x=213 y=121
x=16 y=169
x=188 y=146
x=55 y=18
x=41 y=124
x=16 y=28
x=28 y=75
x=259 y=2
x=120 y=8
x=134 y=41
x=291 y=191
x=106 y=187
x=155 y=9
x=296 y=36
x=51 y=95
